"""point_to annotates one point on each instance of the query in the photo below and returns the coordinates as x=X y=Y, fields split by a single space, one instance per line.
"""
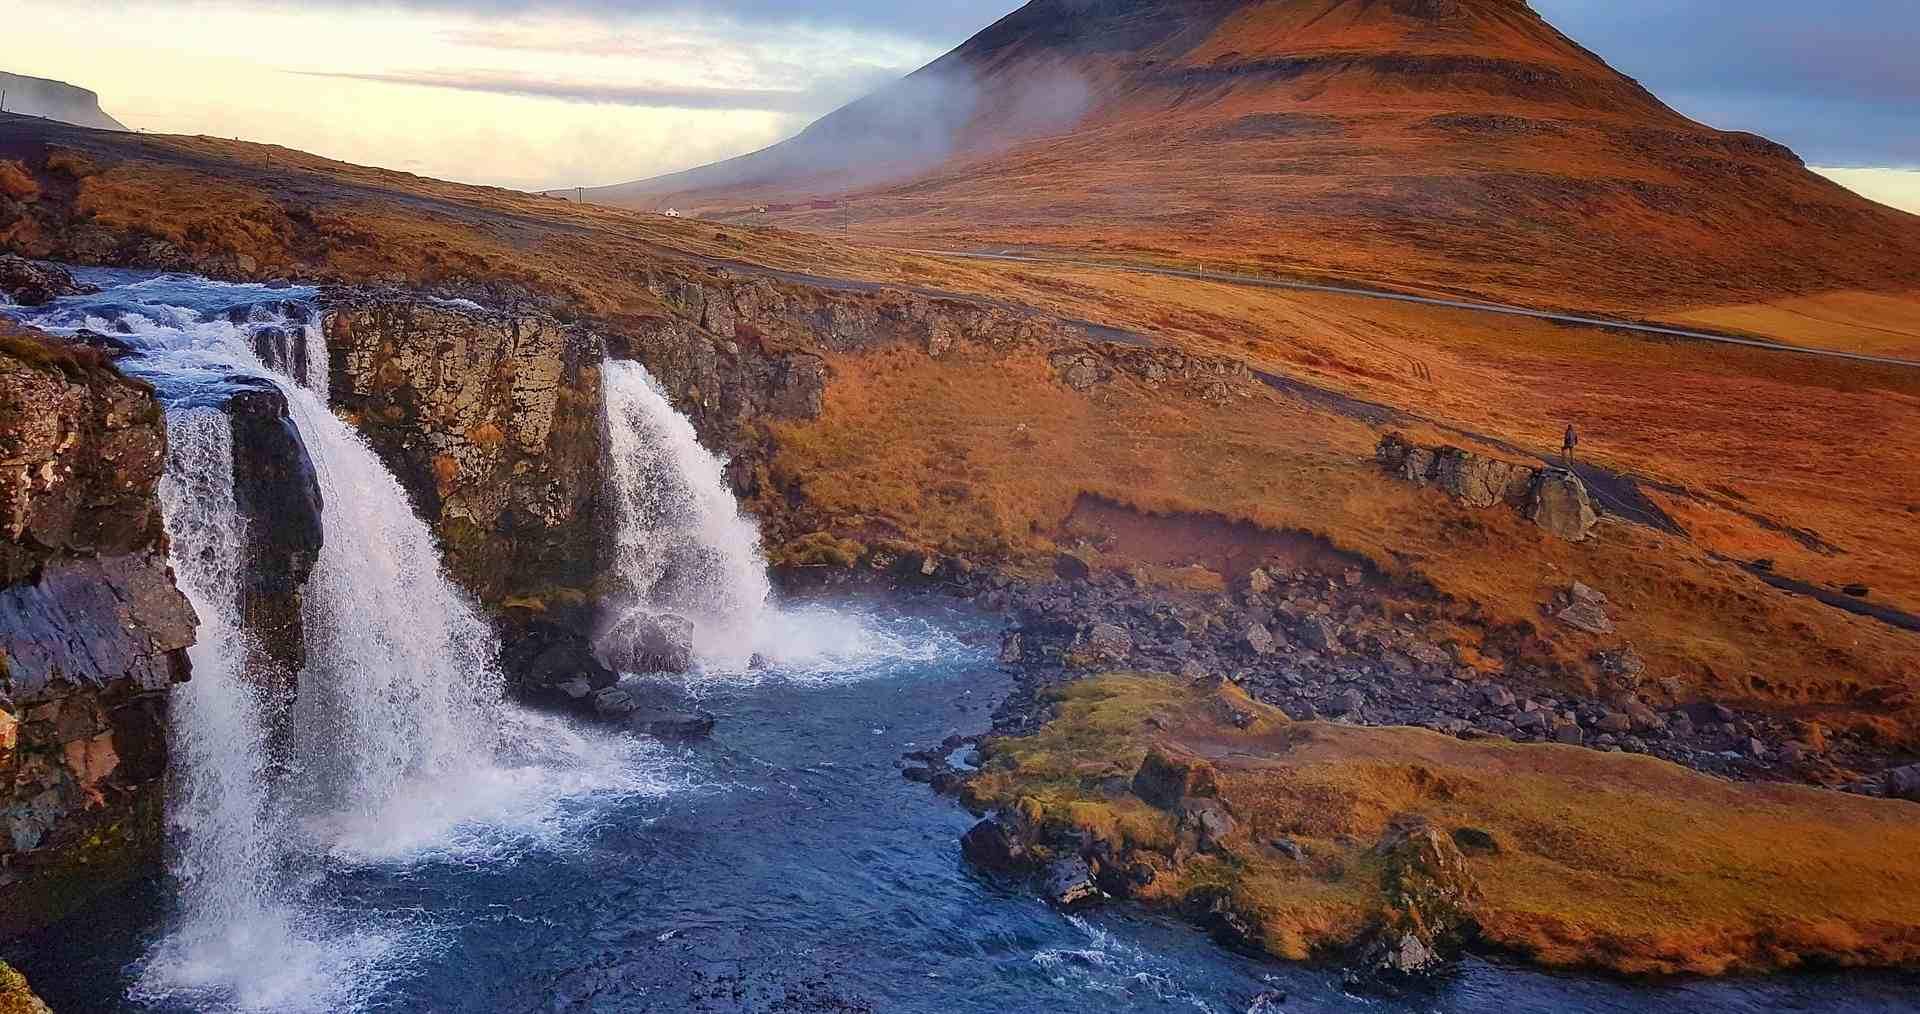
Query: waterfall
x=219 y=811
x=682 y=547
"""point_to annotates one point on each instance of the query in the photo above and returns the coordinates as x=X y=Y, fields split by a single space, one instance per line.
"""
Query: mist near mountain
x=55 y=100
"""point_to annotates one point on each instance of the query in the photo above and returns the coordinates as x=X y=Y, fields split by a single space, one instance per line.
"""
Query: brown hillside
x=1452 y=145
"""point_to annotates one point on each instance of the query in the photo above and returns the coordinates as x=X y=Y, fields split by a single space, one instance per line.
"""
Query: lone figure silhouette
x=1566 y=449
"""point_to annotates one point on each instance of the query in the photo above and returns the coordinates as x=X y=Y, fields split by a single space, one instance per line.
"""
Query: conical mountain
x=1454 y=145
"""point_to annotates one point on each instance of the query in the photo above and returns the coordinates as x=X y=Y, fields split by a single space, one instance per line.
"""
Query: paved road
x=1256 y=281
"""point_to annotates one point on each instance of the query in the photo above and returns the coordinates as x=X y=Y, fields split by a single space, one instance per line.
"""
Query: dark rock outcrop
x=645 y=643
x=31 y=284
x=277 y=491
x=93 y=632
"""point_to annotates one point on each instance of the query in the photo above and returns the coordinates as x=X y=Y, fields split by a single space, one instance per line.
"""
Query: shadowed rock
x=277 y=491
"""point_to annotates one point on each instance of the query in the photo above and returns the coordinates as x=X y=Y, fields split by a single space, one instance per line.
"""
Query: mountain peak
x=1461 y=144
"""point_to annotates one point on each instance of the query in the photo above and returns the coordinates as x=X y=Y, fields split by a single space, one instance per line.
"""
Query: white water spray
x=682 y=546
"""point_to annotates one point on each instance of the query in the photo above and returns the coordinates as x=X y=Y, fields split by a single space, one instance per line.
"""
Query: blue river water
x=787 y=866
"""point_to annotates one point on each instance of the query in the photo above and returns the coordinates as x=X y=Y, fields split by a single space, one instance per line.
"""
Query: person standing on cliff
x=1566 y=449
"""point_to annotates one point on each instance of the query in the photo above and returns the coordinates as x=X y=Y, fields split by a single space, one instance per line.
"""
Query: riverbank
x=1393 y=849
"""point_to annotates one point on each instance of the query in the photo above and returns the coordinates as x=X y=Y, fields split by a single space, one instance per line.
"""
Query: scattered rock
x=1070 y=568
x=1208 y=822
x=1586 y=609
x=1261 y=640
x=1472 y=839
x=1103 y=644
x=1319 y=634
x=1260 y=583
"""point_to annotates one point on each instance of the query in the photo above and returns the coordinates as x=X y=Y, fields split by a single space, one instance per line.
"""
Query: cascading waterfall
x=219 y=812
x=682 y=547
x=399 y=744
x=401 y=686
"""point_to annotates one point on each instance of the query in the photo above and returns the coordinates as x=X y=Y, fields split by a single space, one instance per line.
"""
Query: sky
x=549 y=93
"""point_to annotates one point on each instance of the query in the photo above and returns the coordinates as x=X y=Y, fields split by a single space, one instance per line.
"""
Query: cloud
x=1838 y=81
x=948 y=21
x=656 y=96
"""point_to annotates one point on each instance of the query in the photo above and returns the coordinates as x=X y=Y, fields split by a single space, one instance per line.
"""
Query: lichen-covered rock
x=1584 y=608
x=1167 y=777
x=1431 y=897
x=1558 y=502
x=492 y=422
x=16 y=996
x=92 y=630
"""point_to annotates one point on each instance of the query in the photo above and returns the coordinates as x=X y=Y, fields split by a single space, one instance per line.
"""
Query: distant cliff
x=55 y=100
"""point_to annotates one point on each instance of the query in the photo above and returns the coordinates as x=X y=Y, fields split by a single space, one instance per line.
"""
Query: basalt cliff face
x=92 y=630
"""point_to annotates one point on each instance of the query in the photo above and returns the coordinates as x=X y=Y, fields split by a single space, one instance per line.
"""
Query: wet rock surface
x=92 y=630
x=277 y=490
x=29 y=283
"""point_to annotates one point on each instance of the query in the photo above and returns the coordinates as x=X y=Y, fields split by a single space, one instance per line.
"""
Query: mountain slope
x=1455 y=145
x=55 y=100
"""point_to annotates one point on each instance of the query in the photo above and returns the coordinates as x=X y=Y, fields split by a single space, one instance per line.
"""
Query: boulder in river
x=643 y=642
x=31 y=284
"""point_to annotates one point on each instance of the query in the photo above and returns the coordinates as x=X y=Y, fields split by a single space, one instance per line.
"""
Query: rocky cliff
x=55 y=100
x=92 y=630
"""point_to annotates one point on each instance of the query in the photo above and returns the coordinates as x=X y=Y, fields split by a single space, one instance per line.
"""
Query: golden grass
x=1880 y=323
x=933 y=454
x=976 y=454
x=1608 y=861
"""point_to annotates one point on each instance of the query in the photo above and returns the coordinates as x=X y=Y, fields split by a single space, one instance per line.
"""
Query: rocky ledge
x=1392 y=850
x=92 y=630
x=1554 y=498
